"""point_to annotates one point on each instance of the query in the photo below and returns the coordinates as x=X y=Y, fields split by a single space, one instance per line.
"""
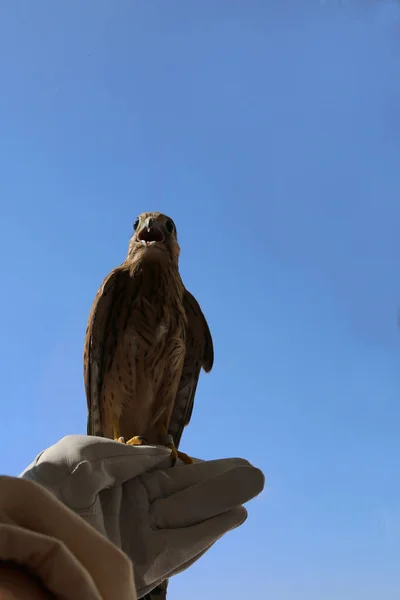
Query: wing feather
x=199 y=354
x=100 y=343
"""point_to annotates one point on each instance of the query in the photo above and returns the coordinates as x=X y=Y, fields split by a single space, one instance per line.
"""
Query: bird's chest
x=156 y=329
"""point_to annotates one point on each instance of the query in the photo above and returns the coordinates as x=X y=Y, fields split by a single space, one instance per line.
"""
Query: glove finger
x=200 y=537
x=186 y=546
x=208 y=498
x=189 y=544
x=164 y=483
x=188 y=563
x=159 y=578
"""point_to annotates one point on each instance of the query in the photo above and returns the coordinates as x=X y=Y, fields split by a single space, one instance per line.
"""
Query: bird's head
x=154 y=238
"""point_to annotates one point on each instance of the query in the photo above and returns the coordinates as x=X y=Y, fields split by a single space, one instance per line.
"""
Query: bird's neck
x=158 y=277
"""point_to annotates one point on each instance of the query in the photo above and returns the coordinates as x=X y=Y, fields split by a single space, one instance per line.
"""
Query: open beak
x=151 y=232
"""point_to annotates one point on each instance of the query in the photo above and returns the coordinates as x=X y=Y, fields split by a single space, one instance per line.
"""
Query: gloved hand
x=164 y=518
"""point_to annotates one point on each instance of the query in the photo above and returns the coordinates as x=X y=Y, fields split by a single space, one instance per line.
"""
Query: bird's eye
x=169 y=225
x=136 y=225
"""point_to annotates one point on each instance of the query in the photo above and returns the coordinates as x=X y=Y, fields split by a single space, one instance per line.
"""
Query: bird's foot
x=185 y=458
x=177 y=454
x=137 y=440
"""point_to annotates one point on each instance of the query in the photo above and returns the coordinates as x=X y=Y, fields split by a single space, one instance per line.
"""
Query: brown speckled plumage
x=146 y=342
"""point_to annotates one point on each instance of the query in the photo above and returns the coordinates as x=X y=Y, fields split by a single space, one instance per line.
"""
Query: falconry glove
x=164 y=518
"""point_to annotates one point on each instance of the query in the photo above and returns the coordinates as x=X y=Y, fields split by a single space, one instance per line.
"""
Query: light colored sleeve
x=71 y=558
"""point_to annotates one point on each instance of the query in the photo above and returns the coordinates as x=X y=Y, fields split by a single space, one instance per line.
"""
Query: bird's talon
x=137 y=440
x=185 y=458
x=175 y=454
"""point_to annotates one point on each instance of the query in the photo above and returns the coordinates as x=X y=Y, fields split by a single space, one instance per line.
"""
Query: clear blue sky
x=270 y=132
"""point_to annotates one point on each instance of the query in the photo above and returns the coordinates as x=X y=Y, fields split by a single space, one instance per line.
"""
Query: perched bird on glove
x=146 y=342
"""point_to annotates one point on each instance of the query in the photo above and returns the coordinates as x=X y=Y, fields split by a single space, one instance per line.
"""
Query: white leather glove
x=164 y=518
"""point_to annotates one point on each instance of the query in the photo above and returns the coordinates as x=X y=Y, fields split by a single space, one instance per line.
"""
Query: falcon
x=146 y=342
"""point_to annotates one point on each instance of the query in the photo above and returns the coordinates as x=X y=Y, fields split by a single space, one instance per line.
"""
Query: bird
x=146 y=342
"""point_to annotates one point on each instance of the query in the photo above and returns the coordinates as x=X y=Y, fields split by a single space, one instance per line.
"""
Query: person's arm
x=69 y=557
x=17 y=583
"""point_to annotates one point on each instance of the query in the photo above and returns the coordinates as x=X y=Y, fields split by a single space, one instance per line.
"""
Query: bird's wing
x=199 y=353
x=100 y=342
